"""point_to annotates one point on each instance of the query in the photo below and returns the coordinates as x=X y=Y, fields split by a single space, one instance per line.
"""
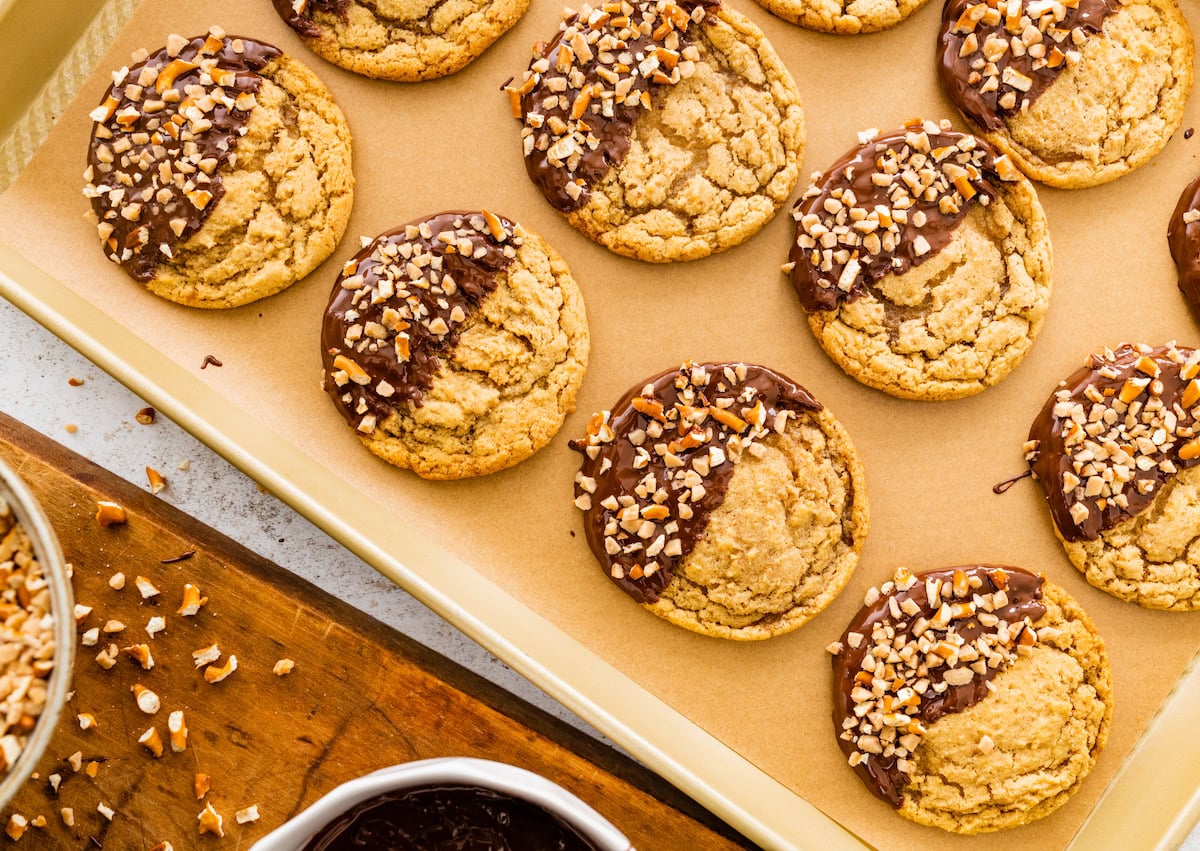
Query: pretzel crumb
x=247 y=815
x=117 y=581
x=210 y=821
x=214 y=674
x=110 y=514
x=283 y=667
x=201 y=784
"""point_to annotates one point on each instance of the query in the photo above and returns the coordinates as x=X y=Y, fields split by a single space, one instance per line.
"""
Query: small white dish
x=461 y=771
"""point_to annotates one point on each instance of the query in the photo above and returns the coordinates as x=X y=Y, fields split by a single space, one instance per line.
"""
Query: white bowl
x=462 y=771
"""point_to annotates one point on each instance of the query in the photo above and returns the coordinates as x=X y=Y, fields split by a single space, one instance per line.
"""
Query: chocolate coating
x=412 y=287
x=448 y=818
x=1184 y=239
x=297 y=14
x=882 y=774
x=854 y=172
x=1052 y=460
x=611 y=129
x=613 y=465
x=155 y=180
x=955 y=70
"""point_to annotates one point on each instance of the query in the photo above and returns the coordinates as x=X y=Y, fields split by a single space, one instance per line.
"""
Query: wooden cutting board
x=361 y=696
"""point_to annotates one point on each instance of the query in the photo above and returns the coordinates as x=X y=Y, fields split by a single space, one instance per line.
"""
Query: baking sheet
x=930 y=467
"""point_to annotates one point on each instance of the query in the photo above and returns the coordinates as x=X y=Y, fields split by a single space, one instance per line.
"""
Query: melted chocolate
x=613 y=470
x=855 y=173
x=550 y=95
x=297 y=14
x=399 y=305
x=1051 y=459
x=881 y=773
x=956 y=71
x=448 y=818
x=1184 y=239
x=154 y=166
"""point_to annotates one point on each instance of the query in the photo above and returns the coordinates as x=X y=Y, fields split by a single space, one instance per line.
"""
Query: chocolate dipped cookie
x=1116 y=451
x=218 y=171
x=454 y=345
x=724 y=498
x=923 y=261
x=972 y=698
x=405 y=40
x=1183 y=236
x=1077 y=93
x=844 y=17
x=664 y=132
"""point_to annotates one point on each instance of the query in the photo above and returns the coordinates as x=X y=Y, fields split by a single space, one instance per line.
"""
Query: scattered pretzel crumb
x=201 y=784
x=146 y=415
x=248 y=815
x=156 y=625
x=105 y=810
x=117 y=581
x=283 y=667
x=177 y=727
x=209 y=359
x=163 y=846
x=55 y=780
x=75 y=760
x=71 y=428
x=192 y=601
x=81 y=613
x=152 y=741
x=139 y=653
x=156 y=480
x=146 y=700
x=210 y=821
x=16 y=826
x=39 y=821
x=145 y=588
x=68 y=816
x=92 y=769
x=75 y=382
x=112 y=627
x=213 y=674
x=184 y=465
x=87 y=721
x=206 y=655
x=91 y=637
x=110 y=514
x=107 y=658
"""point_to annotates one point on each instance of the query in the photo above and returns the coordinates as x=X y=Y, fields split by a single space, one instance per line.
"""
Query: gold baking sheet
x=744 y=728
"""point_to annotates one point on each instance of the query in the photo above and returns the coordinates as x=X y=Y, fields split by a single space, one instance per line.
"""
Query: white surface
x=34 y=369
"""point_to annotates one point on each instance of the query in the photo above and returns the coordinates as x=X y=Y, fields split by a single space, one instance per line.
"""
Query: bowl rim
x=36 y=524
x=469 y=771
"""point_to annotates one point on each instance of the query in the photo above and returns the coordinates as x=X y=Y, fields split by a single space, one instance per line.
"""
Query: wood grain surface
x=362 y=696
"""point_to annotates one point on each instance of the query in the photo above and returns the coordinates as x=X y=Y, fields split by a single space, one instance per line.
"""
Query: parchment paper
x=930 y=466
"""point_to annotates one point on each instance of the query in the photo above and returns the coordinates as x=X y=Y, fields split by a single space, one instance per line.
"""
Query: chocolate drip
x=613 y=470
x=549 y=96
x=882 y=774
x=1102 y=382
x=1184 y=239
x=297 y=14
x=1029 y=75
x=453 y=818
x=163 y=133
x=856 y=173
x=399 y=305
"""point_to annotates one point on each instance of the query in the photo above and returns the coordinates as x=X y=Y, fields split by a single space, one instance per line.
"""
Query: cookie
x=219 y=171
x=1116 y=450
x=844 y=17
x=669 y=138
x=973 y=698
x=454 y=346
x=1183 y=236
x=922 y=259
x=405 y=40
x=723 y=498
x=1077 y=94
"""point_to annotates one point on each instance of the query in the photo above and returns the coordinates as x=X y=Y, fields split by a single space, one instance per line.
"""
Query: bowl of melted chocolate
x=454 y=804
